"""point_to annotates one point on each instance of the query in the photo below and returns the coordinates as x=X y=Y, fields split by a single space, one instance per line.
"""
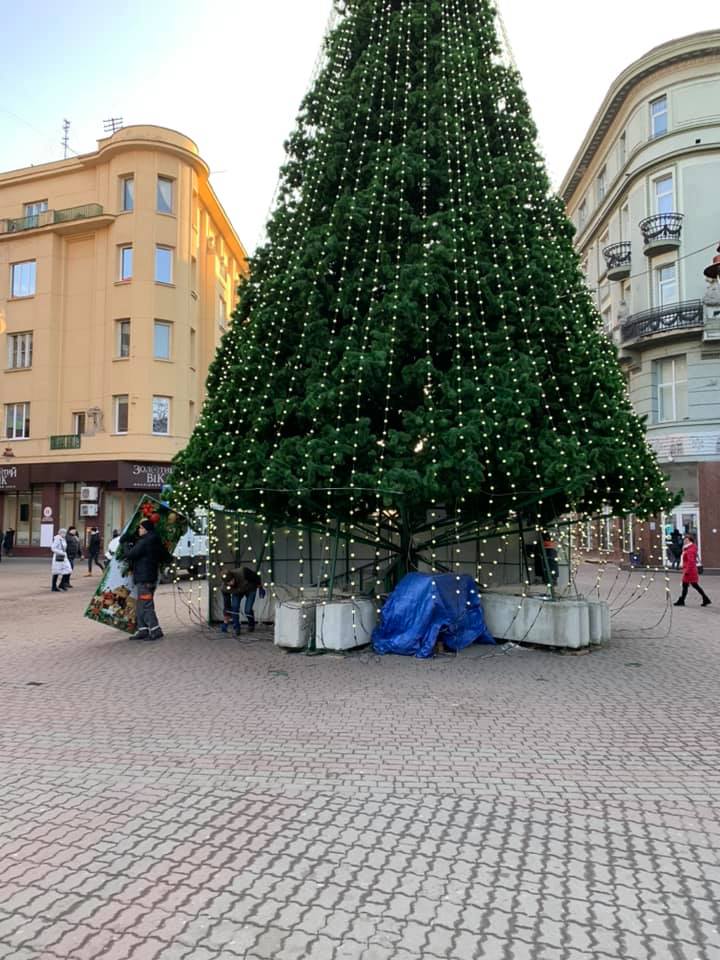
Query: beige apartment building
x=118 y=272
x=643 y=193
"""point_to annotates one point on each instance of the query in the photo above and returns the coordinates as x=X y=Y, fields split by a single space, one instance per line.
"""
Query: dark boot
x=679 y=603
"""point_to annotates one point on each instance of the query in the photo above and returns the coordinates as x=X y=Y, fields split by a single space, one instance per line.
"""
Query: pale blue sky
x=231 y=74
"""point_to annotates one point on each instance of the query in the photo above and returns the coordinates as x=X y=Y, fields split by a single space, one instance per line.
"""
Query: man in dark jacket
x=145 y=558
x=93 y=551
x=236 y=585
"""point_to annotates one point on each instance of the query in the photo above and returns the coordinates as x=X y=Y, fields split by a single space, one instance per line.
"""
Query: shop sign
x=143 y=476
x=14 y=478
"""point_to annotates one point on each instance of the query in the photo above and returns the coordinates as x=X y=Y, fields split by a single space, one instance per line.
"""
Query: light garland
x=416 y=134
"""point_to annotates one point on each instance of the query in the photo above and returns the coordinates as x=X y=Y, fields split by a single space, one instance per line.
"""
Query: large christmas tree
x=416 y=335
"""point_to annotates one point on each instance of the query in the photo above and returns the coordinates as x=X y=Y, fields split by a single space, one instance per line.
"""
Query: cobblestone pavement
x=207 y=799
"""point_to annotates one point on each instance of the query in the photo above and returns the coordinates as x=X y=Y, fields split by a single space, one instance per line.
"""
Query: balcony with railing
x=661 y=233
x=65 y=219
x=669 y=320
x=67 y=441
x=618 y=259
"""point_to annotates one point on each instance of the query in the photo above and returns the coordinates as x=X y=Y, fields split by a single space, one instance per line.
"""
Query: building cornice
x=693 y=47
x=140 y=137
x=620 y=187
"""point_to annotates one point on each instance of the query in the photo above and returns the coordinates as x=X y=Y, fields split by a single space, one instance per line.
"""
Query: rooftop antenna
x=113 y=124
x=66 y=138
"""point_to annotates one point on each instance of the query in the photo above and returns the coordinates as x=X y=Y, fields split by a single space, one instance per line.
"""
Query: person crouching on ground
x=60 y=563
x=691 y=576
x=145 y=558
x=237 y=584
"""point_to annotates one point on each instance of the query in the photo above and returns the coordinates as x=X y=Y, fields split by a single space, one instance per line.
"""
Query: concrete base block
x=546 y=623
x=600 y=623
x=294 y=625
x=344 y=624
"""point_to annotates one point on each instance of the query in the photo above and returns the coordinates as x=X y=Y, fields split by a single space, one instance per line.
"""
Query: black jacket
x=241 y=582
x=73 y=546
x=94 y=545
x=146 y=557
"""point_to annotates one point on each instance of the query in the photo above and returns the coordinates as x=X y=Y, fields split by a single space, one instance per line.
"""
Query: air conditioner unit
x=88 y=493
x=88 y=509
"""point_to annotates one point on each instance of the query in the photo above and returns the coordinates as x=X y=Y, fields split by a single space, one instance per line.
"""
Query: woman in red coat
x=690 y=577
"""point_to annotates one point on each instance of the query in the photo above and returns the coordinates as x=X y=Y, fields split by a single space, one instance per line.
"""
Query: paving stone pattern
x=204 y=799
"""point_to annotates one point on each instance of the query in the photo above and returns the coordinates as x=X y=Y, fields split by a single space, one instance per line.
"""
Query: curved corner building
x=118 y=271
x=644 y=194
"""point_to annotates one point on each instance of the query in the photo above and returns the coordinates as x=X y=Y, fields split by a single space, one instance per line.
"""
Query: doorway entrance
x=686 y=519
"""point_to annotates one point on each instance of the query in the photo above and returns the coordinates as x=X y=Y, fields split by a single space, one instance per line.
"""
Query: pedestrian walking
x=74 y=548
x=93 y=551
x=60 y=564
x=691 y=574
x=145 y=557
x=676 y=548
x=9 y=541
x=112 y=546
x=236 y=585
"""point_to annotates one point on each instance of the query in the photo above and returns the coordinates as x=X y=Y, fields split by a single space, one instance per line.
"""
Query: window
x=23 y=278
x=193 y=346
x=607 y=321
x=582 y=214
x=222 y=313
x=664 y=194
x=163 y=264
x=672 y=399
x=161 y=340
x=122 y=338
x=164 y=195
x=606 y=531
x=601 y=261
x=667 y=289
x=23 y=512
x=658 y=117
x=193 y=276
x=20 y=347
x=35 y=208
x=127 y=193
x=627 y=534
x=192 y=414
x=17 y=421
x=622 y=149
x=126 y=263
x=78 y=421
x=120 y=414
x=161 y=415
x=625 y=223
x=601 y=184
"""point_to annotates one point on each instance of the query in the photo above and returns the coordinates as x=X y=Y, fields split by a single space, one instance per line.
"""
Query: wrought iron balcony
x=661 y=232
x=618 y=257
x=47 y=218
x=671 y=319
x=68 y=441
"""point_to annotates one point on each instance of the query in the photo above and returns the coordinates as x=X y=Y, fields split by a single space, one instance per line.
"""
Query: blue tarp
x=425 y=608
